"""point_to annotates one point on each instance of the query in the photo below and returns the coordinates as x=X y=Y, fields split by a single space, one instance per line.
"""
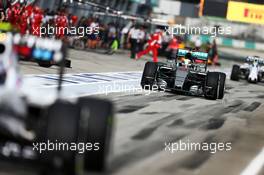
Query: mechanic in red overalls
x=13 y=14
x=61 y=22
x=25 y=19
x=172 y=49
x=153 y=45
x=36 y=21
x=73 y=20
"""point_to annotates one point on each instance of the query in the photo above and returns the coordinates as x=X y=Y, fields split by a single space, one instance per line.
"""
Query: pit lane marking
x=56 y=79
x=255 y=165
x=81 y=78
x=82 y=84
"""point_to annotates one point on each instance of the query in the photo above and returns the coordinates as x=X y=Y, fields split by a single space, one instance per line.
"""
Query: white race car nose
x=252 y=80
x=253 y=75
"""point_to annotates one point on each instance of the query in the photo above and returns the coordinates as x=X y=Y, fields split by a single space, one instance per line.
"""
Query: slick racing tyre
x=61 y=123
x=235 y=73
x=149 y=75
x=99 y=132
x=259 y=78
x=67 y=63
x=215 y=85
x=46 y=64
x=222 y=80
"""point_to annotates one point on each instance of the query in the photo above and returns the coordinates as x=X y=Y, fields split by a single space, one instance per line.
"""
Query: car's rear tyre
x=222 y=85
x=46 y=64
x=149 y=75
x=215 y=85
x=235 y=73
x=60 y=125
x=259 y=78
x=99 y=130
x=65 y=122
x=67 y=63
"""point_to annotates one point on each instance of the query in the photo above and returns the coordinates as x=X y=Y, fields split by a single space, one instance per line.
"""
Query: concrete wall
x=51 y=4
x=171 y=9
x=249 y=32
x=189 y=10
x=229 y=42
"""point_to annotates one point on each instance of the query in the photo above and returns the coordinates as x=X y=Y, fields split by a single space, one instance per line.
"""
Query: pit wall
x=228 y=42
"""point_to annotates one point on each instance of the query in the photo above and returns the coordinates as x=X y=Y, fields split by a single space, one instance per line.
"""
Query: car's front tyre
x=99 y=131
x=215 y=85
x=60 y=125
x=149 y=75
x=222 y=80
x=235 y=73
x=46 y=64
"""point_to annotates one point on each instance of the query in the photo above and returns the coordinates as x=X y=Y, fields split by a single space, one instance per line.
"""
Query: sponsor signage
x=245 y=12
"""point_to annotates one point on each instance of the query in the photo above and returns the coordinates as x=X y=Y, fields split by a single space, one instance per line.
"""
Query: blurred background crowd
x=129 y=24
x=117 y=29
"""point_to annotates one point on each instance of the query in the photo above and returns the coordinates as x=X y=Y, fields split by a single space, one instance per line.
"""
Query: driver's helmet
x=188 y=56
x=256 y=59
x=252 y=59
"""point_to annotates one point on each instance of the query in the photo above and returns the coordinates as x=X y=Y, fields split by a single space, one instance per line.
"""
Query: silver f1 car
x=187 y=72
x=59 y=137
x=252 y=70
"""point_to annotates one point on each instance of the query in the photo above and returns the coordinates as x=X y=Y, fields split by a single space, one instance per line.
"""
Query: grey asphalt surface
x=144 y=123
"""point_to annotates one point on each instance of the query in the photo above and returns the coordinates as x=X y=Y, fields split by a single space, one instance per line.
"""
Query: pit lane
x=145 y=122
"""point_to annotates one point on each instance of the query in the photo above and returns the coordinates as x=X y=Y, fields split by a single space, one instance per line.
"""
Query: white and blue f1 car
x=252 y=70
x=26 y=123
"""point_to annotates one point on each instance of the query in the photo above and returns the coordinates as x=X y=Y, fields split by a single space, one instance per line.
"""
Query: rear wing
x=199 y=55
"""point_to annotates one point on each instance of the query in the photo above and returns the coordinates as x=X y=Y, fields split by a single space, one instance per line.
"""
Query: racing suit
x=36 y=22
x=25 y=19
x=153 y=45
x=61 y=24
x=13 y=14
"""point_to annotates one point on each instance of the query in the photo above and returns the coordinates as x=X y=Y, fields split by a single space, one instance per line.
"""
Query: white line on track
x=255 y=165
x=81 y=84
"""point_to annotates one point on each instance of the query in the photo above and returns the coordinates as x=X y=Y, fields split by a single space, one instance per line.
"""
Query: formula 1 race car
x=187 y=73
x=252 y=70
x=56 y=137
x=25 y=43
